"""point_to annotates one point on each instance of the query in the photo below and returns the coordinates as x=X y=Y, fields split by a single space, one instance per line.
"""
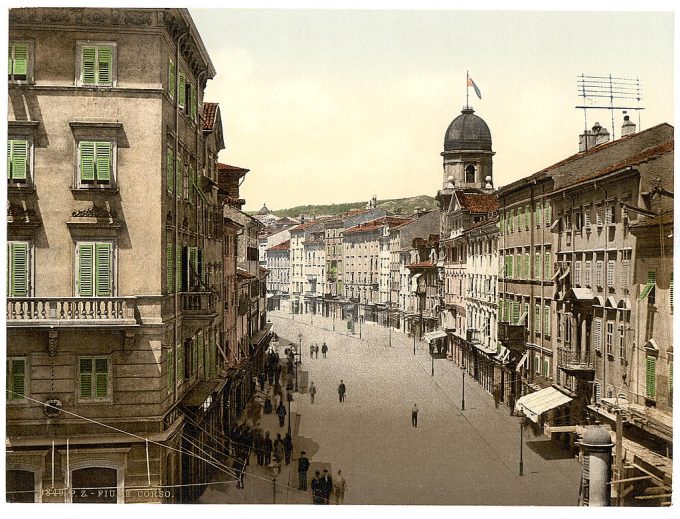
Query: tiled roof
x=477 y=202
x=244 y=274
x=264 y=270
x=376 y=224
x=422 y=264
x=281 y=246
x=209 y=113
x=227 y=167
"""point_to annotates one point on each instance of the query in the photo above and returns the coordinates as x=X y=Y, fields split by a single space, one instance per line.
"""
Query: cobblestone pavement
x=453 y=457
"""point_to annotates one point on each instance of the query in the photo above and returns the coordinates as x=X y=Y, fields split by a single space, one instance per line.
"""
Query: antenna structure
x=618 y=90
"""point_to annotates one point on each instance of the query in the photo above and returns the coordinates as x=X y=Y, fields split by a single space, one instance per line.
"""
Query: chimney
x=591 y=138
x=628 y=127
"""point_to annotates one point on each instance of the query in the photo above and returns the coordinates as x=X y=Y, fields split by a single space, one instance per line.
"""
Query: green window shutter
x=86 y=269
x=171 y=79
x=201 y=265
x=9 y=71
x=104 y=65
x=18 y=382
x=500 y=309
x=651 y=281
x=19 y=276
x=178 y=272
x=88 y=65
x=180 y=363
x=651 y=376
x=538 y=267
x=87 y=160
x=547 y=320
x=18 y=158
x=192 y=267
x=85 y=372
x=170 y=170
x=193 y=103
x=547 y=271
x=170 y=266
x=194 y=354
x=104 y=278
x=670 y=292
x=182 y=90
x=101 y=374
x=179 y=180
x=201 y=352
x=103 y=160
x=515 y=312
x=20 y=60
x=171 y=369
x=192 y=181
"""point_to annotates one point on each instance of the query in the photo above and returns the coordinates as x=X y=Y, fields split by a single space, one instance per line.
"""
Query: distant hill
x=405 y=205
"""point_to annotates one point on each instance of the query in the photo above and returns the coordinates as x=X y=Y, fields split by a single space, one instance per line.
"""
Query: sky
x=327 y=106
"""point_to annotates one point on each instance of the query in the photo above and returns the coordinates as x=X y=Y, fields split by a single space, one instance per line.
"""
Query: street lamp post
x=274 y=469
x=521 y=445
x=432 y=355
x=462 y=404
x=289 y=397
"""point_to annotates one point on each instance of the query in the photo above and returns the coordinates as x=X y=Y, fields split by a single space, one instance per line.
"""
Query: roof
x=422 y=264
x=209 y=113
x=305 y=225
x=467 y=132
x=483 y=223
x=535 y=404
x=227 y=167
x=376 y=224
x=281 y=246
x=477 y=202
x=263 y=270
x=244 y=273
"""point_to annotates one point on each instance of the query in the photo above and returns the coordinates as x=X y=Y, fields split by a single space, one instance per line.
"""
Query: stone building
x=278 y=282
x=115 y=237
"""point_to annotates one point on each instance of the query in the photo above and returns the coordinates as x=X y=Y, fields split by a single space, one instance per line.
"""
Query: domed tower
x=467 y=153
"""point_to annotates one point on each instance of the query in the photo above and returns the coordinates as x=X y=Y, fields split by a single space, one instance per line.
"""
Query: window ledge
x=112 y=190
x=16 y=189
x=95 y=124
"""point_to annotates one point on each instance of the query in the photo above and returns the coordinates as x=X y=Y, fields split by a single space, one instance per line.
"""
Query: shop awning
x=580 y=294
x=199 y=394
x=431 y=336
x=414 y=282
x=535 y=404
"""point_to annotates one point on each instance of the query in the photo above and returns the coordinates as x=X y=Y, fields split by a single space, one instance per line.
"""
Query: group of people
x=322 y=485
x=342 y=390
x=314 y=350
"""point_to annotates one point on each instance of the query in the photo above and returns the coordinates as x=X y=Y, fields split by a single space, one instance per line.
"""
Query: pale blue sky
x=333 y=106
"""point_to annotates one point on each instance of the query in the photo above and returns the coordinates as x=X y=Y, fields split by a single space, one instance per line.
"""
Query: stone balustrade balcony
x=70 y=311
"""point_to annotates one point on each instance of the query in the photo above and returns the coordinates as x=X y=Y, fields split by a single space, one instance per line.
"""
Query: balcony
x=198 y=310
x=512 y=336
x=71 y=311
x=575 y=361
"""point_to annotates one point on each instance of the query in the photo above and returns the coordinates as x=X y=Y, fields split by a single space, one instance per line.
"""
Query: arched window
x=469 y=174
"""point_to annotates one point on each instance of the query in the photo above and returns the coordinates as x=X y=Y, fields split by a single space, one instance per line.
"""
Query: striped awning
x=535 y=404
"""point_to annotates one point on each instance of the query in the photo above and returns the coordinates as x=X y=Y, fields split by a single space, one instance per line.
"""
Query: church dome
x=264 y=211
x=467 y=132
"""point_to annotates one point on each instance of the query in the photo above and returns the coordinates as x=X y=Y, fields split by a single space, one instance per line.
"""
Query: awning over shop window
x=535 y=404
x=565 y=274
x=431 y=336
x=414 y=282
x=522 y=361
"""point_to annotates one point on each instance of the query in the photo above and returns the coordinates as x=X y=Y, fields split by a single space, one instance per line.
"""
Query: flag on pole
x=471 y=83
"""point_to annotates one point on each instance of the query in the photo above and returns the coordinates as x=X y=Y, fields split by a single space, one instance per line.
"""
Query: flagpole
x=467 y=88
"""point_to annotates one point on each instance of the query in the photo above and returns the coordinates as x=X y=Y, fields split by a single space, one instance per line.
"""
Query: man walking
x=326 y=486
x=288 y=447
x=316 y=351
x=341 y=391
x=496 y=395
x=281 y=413
x=340 y=485
x=303 y=467
x=279 y=450
x=311 y=351
x=324 y=350
x=312 y=391
x=317 y=491
x=268 y=447
x=414 y=415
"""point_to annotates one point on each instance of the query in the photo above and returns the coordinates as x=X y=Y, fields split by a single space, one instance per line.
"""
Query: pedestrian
x=258 y=442
x=326 y=486
x=311 y=351
x=303 y=467
x=341 y=391
x=268 y=447
x=281 y=413
x=312 y=391
x=270 y=374
x=279 y=450
x=317 y=491
x=261 y=380
x=316 y=351
x=414 y=415
x=324 y=350
x=239 y=467
x=277 y=372
x=288 y=447
x=496 y=395
x=339 y=485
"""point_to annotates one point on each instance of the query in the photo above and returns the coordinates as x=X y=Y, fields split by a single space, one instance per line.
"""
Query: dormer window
x=469 y=174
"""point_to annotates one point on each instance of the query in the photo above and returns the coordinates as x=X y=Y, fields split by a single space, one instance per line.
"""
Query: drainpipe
x=604 y=274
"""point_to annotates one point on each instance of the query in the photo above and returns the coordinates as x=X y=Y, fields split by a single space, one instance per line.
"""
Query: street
x=453 y=457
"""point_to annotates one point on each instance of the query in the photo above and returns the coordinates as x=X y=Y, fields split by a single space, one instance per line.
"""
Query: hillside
x=405 y=205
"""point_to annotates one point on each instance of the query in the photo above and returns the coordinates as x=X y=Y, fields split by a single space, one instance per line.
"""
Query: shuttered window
x=18 y=159
x=18 y=269
x=537 y=318
x=599 y=266
x=96 y=65
x=178 y=269
x=537 y=214
x=16 y=379
x=548 y=213
x=95 y=269
x=651 y=377
x=180 y=363
x=193 y=103
x=179 y=179
x=547 y=270
x=538 y=267
x=649 y=286
x=577 y=273
x=170 y=369
x=95 y=159
x=588 y=273
x=609 y=338
x=547 y=320
x=597 y=334
x=169 y=268
x=170 y=170
x=171 y=79
x=515 y=312
x=182 y=91
x=17 y=66
x=93 y=373
x=610 y=274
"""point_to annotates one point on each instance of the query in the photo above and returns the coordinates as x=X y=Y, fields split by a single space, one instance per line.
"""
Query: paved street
x=451 y=458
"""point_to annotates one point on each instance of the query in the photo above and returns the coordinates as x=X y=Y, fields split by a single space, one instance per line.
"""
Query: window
x=527 y=216
x=511 y=220
x=527 y=265
x=469 y=174
x=18 y=61
x=597 y=335
x=598 y=216
x=547 y=270
x=537 y=319
x=559 y=326
x=519 y=219
x=609 y=339
x=171 y=78
x=18 y=269
x=538 y=264
x=597 y=390
x=599 y=265
x=577 y=221
x=651 y=377
x=93 y=373
x=609 y=215
x=95 y=163
x=567 y=330
x=537 y=215
x=94 y=269
x=548 y=213
x=96 y=64
x=508 y=266
x=518 y=265
x=546 y=319
x=622 y=342
x=501 y=224
x=179 y=176
x=610 y=274
x=586 y=217
x=546 y=368
x=18 y=161
x=589 y=273
x=16 y=378
x=170 y=170
x=577 y=273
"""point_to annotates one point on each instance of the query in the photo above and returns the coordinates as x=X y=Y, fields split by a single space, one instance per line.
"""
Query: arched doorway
x=20 y=486
x=95 y=485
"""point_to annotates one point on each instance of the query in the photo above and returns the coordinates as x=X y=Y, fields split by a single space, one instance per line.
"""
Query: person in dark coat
x=279 y=449
x=311 y=351
x=288 y=447
x=268 y=448
x=317 y=490
x=326 y=486
x=341 y=391
x=262 y=380
x=414 y=415
x=303 y=467
x=324 y=350
x=239 y=467
x=277 y=372
x=281 y=413
x=316 y=350
x=258 y=444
